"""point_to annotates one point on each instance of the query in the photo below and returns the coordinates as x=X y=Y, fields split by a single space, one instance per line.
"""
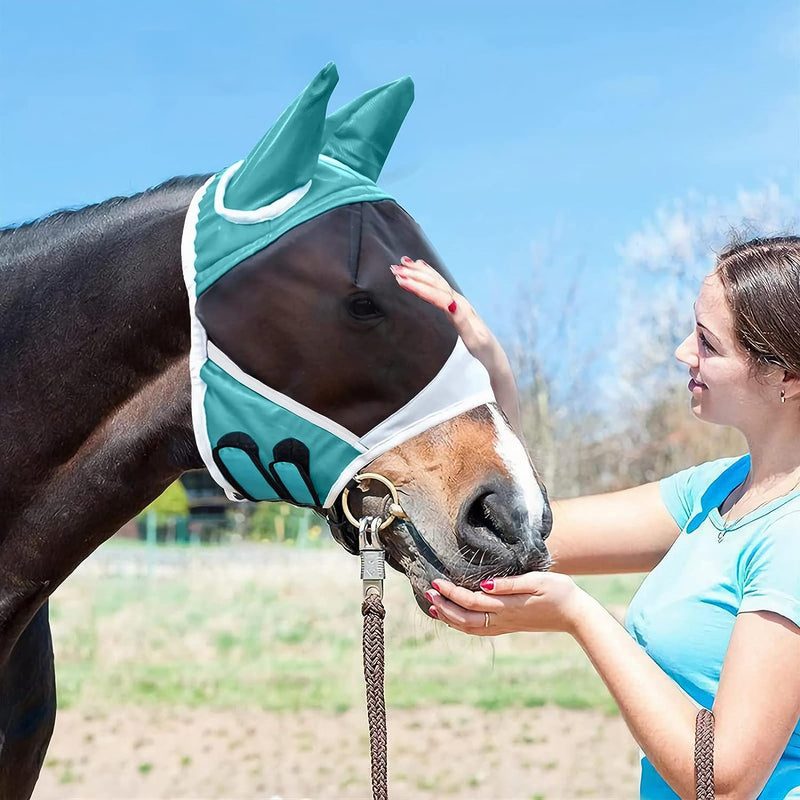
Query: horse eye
x=361 y=306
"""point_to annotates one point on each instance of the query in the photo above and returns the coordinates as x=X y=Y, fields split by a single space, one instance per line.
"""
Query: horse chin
x=408 y=551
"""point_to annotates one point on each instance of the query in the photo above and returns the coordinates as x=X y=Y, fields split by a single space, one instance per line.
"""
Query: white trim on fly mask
x=251 y=217
x=461 y=384
x=442 y=399
x=199 y=340
x=216 y=356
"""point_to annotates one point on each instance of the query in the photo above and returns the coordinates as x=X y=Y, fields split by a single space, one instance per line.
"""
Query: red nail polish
x=435 y=585
x=487 y=585
x=406 y=260
x=452 y=307
x=429 y=597
x=433 y=612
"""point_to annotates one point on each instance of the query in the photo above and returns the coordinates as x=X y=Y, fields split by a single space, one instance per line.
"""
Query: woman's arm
x=419 y=278
x=626 y=531
x=757 y=705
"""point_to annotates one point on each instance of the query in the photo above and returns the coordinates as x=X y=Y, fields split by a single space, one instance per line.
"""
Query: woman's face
x=725 y=389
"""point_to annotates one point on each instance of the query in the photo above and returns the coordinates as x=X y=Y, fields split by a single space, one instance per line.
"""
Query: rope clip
x=373 y=557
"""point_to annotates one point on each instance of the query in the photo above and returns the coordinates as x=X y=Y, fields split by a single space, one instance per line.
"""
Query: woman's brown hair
x=761 y=279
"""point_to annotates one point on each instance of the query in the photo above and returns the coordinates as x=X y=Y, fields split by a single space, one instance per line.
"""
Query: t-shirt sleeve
x=771 y=570
x=680 y=491
x=676 y=497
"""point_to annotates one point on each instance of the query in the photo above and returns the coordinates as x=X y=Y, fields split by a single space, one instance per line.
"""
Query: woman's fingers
x=421 y=271
x=458 y=617
x=437 y=295
x=425 y=291
x=529 y=583
x=474 y=601
x=421 y=279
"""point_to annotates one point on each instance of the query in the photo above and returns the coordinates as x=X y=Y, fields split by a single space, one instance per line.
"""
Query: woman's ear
x=790 y=386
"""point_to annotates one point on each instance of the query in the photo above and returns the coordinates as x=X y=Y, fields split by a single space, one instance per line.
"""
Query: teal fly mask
x=257 y=442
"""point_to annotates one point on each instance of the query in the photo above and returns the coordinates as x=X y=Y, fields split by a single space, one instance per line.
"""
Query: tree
x=172 y=502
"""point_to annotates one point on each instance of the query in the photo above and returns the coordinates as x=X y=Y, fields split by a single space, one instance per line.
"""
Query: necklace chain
x=727 y=525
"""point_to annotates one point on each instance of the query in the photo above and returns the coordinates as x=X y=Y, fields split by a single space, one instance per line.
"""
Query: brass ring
x=485 y=619
x=395 y=510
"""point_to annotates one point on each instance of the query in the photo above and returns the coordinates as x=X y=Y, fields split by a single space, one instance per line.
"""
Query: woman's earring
x=783 y=396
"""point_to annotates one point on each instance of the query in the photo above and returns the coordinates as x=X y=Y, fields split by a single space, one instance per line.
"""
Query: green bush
x=172 y=502
x=280 y=522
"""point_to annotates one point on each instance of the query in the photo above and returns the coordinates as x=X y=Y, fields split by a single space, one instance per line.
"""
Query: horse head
x=301 y=326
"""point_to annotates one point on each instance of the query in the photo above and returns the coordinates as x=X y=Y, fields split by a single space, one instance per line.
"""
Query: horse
x=96 y=416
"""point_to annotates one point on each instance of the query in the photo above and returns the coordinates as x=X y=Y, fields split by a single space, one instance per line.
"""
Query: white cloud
x=688 y=231
x=663 y=264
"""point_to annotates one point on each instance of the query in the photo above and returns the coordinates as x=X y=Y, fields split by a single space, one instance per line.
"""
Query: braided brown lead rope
x=704 y=755
x=373 y=611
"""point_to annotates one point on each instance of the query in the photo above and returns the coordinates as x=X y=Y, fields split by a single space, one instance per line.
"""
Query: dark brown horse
x=95 y=415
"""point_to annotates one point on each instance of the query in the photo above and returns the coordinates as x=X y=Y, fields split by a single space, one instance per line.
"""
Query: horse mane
x=67 y=220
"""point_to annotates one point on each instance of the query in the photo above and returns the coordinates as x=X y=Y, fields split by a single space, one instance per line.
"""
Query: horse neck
x=95 y=321
x=93 y=309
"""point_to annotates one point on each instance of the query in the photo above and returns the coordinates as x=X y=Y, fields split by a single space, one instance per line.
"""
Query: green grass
x=287 y=636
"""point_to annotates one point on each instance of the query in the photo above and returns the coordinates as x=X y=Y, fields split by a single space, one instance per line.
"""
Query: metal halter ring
x=395 y=509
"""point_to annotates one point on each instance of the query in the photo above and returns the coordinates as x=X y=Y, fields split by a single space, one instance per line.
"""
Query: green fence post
x=151 y=533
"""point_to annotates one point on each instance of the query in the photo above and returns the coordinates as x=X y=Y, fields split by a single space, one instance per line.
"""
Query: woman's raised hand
x=421 y=279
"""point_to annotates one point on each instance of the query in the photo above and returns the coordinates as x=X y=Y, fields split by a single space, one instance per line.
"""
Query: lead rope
x=704 y=755
x=372 y=575
x=373 y=571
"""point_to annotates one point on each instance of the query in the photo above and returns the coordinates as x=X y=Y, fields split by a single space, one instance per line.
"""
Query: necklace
x=728 y=525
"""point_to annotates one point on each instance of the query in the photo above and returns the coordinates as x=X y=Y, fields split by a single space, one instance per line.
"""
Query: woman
x=715 y=623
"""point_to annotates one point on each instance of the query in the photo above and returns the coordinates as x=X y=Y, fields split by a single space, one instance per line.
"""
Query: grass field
x=224 y=628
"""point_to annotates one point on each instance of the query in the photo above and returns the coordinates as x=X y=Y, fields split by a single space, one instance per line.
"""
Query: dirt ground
x=452 y=752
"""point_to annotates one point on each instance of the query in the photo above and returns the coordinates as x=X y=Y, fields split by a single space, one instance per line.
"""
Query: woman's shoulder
x=709 y=471
x=707 y=483
x=769 y=562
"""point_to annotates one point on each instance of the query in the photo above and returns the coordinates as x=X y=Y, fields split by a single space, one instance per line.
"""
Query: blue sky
x=555 y=128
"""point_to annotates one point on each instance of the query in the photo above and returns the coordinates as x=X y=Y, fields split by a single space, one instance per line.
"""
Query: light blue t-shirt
x=684 y=612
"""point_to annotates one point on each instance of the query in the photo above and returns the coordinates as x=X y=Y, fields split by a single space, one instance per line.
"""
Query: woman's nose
x=686 y=351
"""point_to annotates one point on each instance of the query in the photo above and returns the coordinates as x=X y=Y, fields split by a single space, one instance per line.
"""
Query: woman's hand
x=536 y=601
x=419 y=278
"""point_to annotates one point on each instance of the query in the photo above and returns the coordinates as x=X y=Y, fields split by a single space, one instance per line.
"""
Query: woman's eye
x=706 y=344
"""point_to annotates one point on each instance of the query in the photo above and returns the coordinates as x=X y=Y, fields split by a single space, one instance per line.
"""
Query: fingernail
x=406 y=260
x=394 y=269
x=487 y=585
x=433 y=612
x=435 y=585
x=429 y=597
x=452 y=307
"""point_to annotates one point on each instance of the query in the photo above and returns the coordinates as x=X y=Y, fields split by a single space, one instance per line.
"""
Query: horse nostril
x=488 y=511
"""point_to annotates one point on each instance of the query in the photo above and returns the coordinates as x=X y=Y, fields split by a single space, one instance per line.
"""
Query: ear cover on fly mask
x=256 y=442
x=286 y=157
